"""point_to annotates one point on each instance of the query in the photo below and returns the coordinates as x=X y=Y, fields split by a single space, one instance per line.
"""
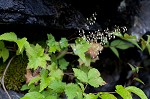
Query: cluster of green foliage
x=52 y=66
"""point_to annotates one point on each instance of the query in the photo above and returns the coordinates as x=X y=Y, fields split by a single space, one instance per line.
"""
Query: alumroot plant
x=98 y=38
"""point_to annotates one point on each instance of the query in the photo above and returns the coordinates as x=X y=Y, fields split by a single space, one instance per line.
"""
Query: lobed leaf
x=52 y=44
x=55 y=47
x=11 y=36
x=57 y=86
x=33 y=95
x=57 y=74
x=63 y=43
x=45 y=80
x=82 y=76
x=63 y=63
x=80 y=48
x=34 y=80
x=93 y=73
x=96 y=82
x=94 y=78
x=21 y=43
x=72 y=90
x=35 y=61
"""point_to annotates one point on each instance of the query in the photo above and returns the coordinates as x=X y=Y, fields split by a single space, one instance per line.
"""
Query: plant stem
x=3 y=76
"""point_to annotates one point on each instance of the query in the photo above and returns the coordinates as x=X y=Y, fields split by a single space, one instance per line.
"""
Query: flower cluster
x=98 y=38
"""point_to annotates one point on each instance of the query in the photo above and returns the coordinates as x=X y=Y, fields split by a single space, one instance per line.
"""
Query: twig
x=61 y=54
x=3 y=76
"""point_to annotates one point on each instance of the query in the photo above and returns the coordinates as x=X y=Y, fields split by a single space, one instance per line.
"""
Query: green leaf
x=48 y=92
x=117 y=34
x=85 y=68
x=63 y=63
x=132 y=68
x=36 y=56
x=34 y=80
x=52 y=67
x=139 y=80
x=148 y=43
x=80 y=48
x=29 y=49
x=79 y=94
x=87 y=61
x=96 y=82
x=34 y=88
x=51 y=38
x=82 y=76
x=115 y=51
x=72 y=90
x=55 y=47
x=106 y=95
x=80 y=40
x=4 y=53
x=45 y=80
x=35 y=62
x=8 y=36
x=39 y=51
x=120 y=44
x=57 y=74
x=93 y=73
x=51 y=97
x=52 y=49
x=63 y=43
x=25 y=87
x=2 y=45
x=124 y=93
x=33 y=95
x=81 y=86
x=21 y=43
x=57 y=86
x=137 y=91
x=131 y=39
x=144 y=43
x=91 y=96
x=94 y=78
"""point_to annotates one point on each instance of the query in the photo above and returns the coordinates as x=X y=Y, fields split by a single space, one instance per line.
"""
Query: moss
x=15 y=75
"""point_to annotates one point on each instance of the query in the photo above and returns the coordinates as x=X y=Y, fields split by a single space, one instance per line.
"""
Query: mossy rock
x=15 y=75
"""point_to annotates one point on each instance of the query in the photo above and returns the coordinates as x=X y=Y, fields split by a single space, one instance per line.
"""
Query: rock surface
x=137 y=11
x=52 y=13
x=26 y=17
x=142 y=20
x=13 y=94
